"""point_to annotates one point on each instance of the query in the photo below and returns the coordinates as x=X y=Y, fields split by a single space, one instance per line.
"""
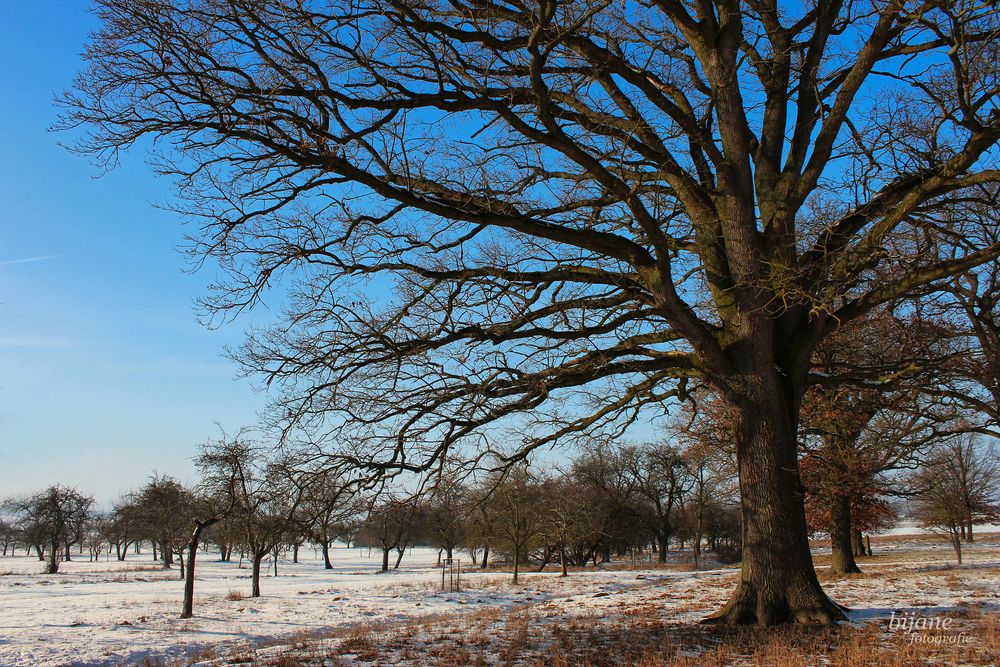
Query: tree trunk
x=399 y=557
x=486 y=556
x=188 y=609
x=180 y=560
x=868 y=545
x=517 y=562
x=53 y=564
x=546 y=557
x=295 y=553
x=662 y=548
x=956 y=543
x=842 y=556
x=859 y=543
x=968 y=533
x=326 y=556
x=255 y=576
x=562 y=560
x=777 y=583
x=385 y=559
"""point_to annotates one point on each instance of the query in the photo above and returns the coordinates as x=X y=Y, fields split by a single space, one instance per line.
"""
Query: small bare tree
x=959 y=485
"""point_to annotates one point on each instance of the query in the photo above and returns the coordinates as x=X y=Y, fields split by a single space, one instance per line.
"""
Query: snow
x=126 y=613
x=908 y=527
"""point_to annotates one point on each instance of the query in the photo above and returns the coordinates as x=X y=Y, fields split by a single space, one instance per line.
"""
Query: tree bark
x=385 y=559
x=842 y=554
x=188 y=608
x=326 y=556
x=255 y=577
x=778 y=582
x=858 y=543
x=662 y=548
x=53 y=564
x=486 y=557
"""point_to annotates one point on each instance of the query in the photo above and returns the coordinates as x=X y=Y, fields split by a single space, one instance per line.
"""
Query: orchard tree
x=266 y=494
x=662 y=480
x=330 y=508
x=164 y=508
x=959 y=485
x=55 y=519
x=486 y=209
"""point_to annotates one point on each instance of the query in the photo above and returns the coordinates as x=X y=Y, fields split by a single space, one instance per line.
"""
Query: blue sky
x=105 y=374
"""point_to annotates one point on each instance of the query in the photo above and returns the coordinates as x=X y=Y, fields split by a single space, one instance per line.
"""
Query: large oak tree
x=573 y=204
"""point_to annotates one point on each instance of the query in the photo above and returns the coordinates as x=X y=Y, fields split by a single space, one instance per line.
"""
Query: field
x=114 y=613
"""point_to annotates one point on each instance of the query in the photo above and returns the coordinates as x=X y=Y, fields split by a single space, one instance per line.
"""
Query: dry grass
x=652 y=626
x=516 y=639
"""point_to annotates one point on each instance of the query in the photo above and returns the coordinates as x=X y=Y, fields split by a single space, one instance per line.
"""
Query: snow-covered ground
x=125 y=613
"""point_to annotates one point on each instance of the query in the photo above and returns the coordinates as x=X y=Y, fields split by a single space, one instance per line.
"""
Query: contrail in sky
x=29 y=260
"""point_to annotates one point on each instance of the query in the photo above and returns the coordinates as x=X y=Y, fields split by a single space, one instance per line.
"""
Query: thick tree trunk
x=662 y=548
x=858 y=543
x=842 y=556
x=486 y=557
x=255 y=575
x=562 y=561
x=968 y=533
x=326 y=556
x=385 y=559
x=777 y=583
x=53 y=564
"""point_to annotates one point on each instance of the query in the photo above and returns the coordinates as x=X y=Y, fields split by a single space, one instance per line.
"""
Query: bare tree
x=164 y=508
x=519 y=518
x=662 y=481
x=590 y=198
x=445 y=512
x=960 y=484
x=267 y=494
x=390 y=525
x=55 y=518
x=331 y=508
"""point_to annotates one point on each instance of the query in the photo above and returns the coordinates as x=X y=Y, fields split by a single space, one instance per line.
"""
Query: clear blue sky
x=105 y=375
